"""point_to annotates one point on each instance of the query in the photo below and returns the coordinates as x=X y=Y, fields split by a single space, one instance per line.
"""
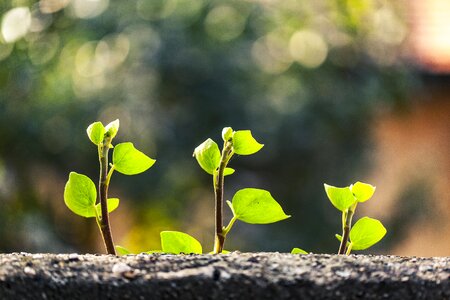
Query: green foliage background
x=176 y=72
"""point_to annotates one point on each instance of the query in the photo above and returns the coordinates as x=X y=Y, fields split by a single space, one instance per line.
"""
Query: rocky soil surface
x=233 y=276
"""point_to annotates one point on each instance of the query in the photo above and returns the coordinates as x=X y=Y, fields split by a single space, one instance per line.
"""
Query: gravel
x=232 y=276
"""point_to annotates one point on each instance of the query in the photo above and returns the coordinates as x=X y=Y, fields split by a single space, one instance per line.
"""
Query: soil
x=233 y=276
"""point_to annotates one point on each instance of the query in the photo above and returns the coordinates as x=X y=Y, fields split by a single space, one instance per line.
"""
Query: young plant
x=80 y=194
x=250 y=205
x=367 y=231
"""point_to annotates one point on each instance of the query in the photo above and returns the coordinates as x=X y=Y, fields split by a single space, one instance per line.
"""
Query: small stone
x=73 y=257
x=425 y=268
x=120 y=268
x=253 y=259
x=130 y=274
x=343 y=274
x=225 y=275
x=29 y=271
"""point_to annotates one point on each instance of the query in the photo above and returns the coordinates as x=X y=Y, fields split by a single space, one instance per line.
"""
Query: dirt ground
x=232 y=276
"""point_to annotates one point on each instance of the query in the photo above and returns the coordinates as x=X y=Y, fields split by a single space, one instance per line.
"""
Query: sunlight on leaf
x=341 y=198
x=298 y=251
x=244 y=143
x=362 y=191
x=112 y=128
x=113 y=203
x=122 y=250
x=176 y=242
x=366 y=232
x=228 y=171
x=130 y=161
x=208 y=156
x=256 y=206
x=96 y=132
x=227 y=133
x=80 y=195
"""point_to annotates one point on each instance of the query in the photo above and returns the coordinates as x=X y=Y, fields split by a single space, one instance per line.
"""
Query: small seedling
x=250 y=205
x=367 y=231
x=80 y=194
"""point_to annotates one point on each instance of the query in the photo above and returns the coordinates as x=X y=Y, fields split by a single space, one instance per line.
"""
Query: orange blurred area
x=411 y=165
x=430 y=33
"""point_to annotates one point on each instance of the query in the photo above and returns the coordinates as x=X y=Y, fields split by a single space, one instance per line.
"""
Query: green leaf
x=228 y=171
x=362 y=191
x=227 y=134
x=208 y=156
x=113 y=203
x=96 y=132
x=122 y=250
x=112 y=128
x=244 y=143
x=298 y=251
x=179 y=242
x=130 y=161
x=256 y=206
x=366 y=233
x=341 y=198
x=80 y=195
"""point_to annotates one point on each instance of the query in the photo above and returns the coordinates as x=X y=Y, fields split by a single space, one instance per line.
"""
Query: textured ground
x=234 y=276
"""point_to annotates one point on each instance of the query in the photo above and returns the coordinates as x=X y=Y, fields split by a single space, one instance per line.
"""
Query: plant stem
x=105 y=176
x=346 y=226
x=228 y=228
x=219 y=238
x=349 y=249
x=345 y=233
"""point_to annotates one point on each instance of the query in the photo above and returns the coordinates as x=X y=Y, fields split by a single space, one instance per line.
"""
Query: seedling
x=80 y=194
x=367 y=231
x=250 y=205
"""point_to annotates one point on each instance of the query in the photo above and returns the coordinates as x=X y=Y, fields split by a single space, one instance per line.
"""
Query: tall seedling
x=250 y=205
x=80 y=194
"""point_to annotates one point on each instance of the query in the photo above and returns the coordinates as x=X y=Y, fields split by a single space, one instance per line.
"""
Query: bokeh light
x=87 y=9
x=308 y=48
x=15 y=24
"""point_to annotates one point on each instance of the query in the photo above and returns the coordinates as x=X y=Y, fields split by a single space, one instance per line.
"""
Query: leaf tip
x=112 y=128
x=227 y=134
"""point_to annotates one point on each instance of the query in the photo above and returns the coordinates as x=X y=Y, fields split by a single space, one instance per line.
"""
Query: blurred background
x=338 y=91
